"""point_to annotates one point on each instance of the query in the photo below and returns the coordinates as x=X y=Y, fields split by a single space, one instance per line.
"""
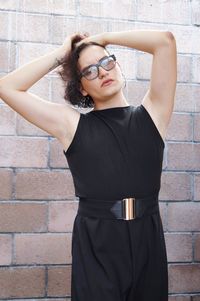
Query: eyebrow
x=94 y=64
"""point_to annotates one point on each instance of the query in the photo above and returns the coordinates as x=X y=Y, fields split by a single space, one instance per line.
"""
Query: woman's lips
x=107 y=83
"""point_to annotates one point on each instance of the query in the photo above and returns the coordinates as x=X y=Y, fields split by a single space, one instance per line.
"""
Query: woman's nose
x=102 y=71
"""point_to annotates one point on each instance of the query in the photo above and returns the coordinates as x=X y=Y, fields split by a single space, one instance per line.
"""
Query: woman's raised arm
x=49 y=116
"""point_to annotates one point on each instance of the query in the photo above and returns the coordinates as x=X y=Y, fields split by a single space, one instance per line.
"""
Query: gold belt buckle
x=128 y=208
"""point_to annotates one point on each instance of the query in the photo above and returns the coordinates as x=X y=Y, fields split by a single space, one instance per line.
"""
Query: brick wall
x=37 y=202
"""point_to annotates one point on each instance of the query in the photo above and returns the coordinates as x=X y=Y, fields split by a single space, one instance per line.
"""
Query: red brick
x=44 y=185
x=23 y=217
x=179 y=247
x=176 y=186
x=61 y=215
x=5 y=249
x=6 y=177
x=184 y=278
x=23 y=152
x=43 y=248
x=183 y=216
x=59 y=281
x=22 y=282
x=178 y=152
x=197 y=247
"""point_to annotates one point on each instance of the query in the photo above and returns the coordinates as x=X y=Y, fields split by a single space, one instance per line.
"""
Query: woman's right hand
x=67 y=44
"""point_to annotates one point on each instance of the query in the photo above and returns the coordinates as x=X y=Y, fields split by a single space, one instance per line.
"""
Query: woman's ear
x=83 y=91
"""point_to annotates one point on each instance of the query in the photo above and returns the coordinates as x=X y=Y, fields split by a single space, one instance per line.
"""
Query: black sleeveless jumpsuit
x=117 y=153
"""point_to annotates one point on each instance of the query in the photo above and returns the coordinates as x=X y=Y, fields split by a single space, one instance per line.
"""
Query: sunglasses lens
x=91 y=72
x=108 y=63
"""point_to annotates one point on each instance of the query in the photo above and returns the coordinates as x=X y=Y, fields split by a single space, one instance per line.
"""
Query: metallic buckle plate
x=128 y=208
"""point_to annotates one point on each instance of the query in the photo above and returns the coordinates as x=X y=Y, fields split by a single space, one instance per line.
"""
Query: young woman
x=115 y=154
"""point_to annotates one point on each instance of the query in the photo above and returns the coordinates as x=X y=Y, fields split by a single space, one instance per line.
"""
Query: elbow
x=0 y=90
x=170 y=37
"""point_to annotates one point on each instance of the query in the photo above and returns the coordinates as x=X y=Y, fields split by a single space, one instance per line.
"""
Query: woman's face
x=91 y=55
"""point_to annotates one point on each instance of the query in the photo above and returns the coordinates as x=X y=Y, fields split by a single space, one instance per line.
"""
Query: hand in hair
x=99 y=38
x=75 y=37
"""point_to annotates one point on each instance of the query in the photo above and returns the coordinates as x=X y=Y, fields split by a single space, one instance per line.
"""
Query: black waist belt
x=127 y=208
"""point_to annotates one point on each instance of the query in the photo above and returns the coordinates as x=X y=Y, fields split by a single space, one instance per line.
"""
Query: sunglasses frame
x=81 y=74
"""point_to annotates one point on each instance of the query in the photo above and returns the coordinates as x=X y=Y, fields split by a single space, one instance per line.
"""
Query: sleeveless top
x=116 y=153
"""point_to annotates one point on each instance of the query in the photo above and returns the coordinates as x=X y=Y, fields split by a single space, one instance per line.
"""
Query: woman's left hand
x=99 y=38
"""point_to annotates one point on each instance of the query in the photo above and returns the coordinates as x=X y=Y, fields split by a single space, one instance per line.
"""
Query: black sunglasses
x=92 y=71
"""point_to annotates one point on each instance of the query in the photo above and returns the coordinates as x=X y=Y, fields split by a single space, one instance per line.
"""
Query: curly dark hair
x=69 y=74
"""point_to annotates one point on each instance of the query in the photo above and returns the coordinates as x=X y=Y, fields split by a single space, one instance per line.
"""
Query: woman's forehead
x=92 y=56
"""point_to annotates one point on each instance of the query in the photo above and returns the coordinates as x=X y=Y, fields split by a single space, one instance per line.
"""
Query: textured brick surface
x=197 y=247
x=180 y=127
x=6 y=176
x=61 y=215
x=7 y=121
x=179 y=247
x=5 y=249
x=37 y=201
x=59 y=281
x=197 y=187
x=183 y=216
x=21 y=282
x=184 y=150
x=197 y=127
x=44 y=185
x=176 y=186
x=23 y=217
x=179 y=298
x=43 y=248
x=184 y=278
x=23 y=152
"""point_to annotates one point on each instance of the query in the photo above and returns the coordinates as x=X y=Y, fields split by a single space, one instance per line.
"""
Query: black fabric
x=116 y=209
x=117 y=153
